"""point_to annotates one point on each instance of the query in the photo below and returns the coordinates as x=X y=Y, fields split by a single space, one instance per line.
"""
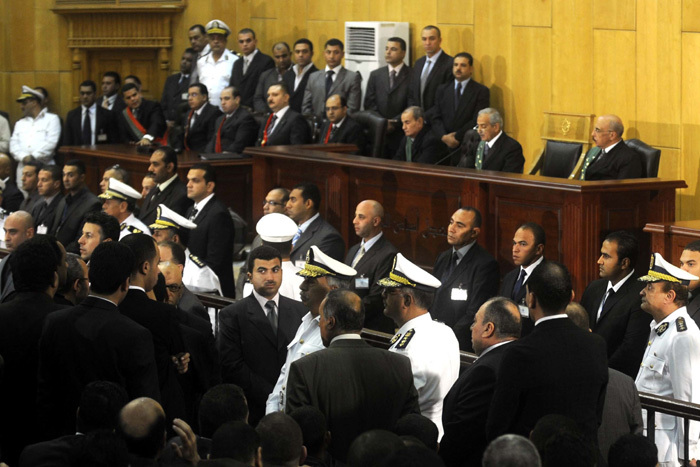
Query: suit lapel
x=285 y=325
x=457 y=272
x=494 y=152
x=306 y=236
x=338 y=80
x=400 y=78
x=205 y=210
x=258 y=319
x=370 y=253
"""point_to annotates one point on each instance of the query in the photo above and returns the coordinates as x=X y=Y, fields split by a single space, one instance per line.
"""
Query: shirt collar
x=199 y=206
x=369 y=243
x=531 y=267
x=263 y=301
x=346 y=337
x=251 y=56
x=304 y=70
x=198 y=112
x=610 y=148
x=494 y=346
x=550 y=318
x=461 y=253
x=136 y=287
x=494 y=139
x=102 y=298
x=337 y=125
x=617 y=286
x=90 y=109
x=462 y=83
x=336 y=69
x=434 y=58
x=306 y=224
x=165 y=184
x=412 y=323
x=397 y=68
x=668 y=319
x=280 y=113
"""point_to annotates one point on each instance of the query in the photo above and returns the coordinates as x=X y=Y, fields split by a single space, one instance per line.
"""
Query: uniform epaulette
x=406 y=339
x=680 y=325
x=197 y=261
x=396 y=337
x=122 y=227
x=661 y=329
x=133 y=229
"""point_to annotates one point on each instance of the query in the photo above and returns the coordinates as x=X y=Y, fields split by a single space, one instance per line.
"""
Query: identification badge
x=362 y=283
x=184 y=96
x=300 y=263
x=42 y=230
x=524 y=311
x=459 y=295
x=101 y=138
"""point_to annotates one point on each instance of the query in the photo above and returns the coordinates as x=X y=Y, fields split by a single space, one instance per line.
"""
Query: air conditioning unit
x=365 y=42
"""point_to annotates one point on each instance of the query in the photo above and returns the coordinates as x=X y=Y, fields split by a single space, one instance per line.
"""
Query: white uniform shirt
x=4 y=135
x=216 y=75
x=290 y=282
x=434 y=353
x=306 y=341
x=671 y=367
x=131 y=224
x=198 y=277
x=36 y=137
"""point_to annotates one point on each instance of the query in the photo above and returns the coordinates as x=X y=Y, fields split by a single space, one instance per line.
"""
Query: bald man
x=142 y=426
x=610 y=158
x=19 y=227
x=372 y=259
x=12 y=197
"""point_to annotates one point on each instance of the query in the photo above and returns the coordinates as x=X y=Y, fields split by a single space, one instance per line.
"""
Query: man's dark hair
x=74 y=271
x=551 y=284
x=133 y=78
x=102 y=448
x=209 y=174
x=160 y=290
x=99 y=406
x=349 y=312
x=198 y=26
x=55 y=172
x=310 y=191
x=144 y=248
x=169 y=156
x=150 y=443
x=343 y=99
x=191 y=51
x=549 y=426
x=511 y=450
x=680 y=290
x=415 y=456
x=110 y=265
x=477 y=215
x=627 y=246
x=313 y=427
x=109 y=225
x=419 y=426
x=304 y=40
x=422 y=298
x=570 y=449
x=285 y=193
x=178 y=252
x=279 y=44
x=693 y=246
x=265 y=253
x=234 y=91
x=124 y=175
x=633 y=451
x=280 y=439
x=466 y=55
x=45 y=92
x=88 y=82
x=247 y=31
x=202 y=88
x=402 y=43
x=283 y=87
x=537 y=232
x=78 y=164
x=235 y=440
x=115 y=75
x=34 y=264
x=499 y=312
x=220 y=404
x=129 y=87
x=430 y=26
x=334 y=43
x=373 y=447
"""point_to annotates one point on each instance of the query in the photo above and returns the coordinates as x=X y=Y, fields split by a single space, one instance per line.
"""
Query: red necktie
x=267 y=125
x=217 y=148
x=328 y=133
x=187 y=129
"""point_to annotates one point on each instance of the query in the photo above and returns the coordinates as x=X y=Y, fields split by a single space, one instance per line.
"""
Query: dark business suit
x=28 y=203
x=267 y=79
x=621 y=162
x=12 y=197
x=7 y=283
x=389 y=102
x=292 y=128
x=559 y=369
x=240 y=130
x=446 y=119
x=296 y=96
x=465 y=409
x=347 y=83
x=506 y=155
x=246 y=83
x=507 y=286
x=251 y=354
x=350 y=132
x=622 y=411
x=90 y=342
x=60 y=452
x=427 y=148
x=202 y=130
x=43 y=214
x=150 y=116
x=623 y=325
x=212 y=241
x=324 y=236
x=105 y=127
x=171 y=100
x=440 y=72
x=69 y=215
x=477 y=272
x=374 y=265
x=174 y=196
x=356 y=386
x=693 y=306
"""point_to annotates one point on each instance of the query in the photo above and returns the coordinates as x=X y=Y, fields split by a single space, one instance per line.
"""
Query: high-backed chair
x=650 y=157
x=374 y=126
x=315 y=126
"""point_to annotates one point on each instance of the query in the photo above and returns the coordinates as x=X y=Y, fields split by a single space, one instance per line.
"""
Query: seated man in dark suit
x=614 y=305
x=169 y=189
x=340 y=127
x=142 y=121
x=283 y=60
x=111 y=99
x=12 y=197
x=236 y=129
x=90 y=123
x=690 y=262
x=297 y=78
x=610 y=158
x=49 y=189
x=496 y=151
x=30 y=179
x=303 y=208
x=284 y=126
x=457 y=102
x=246 y=72
x=420 y=144
x=173 y=100
x=199 y=121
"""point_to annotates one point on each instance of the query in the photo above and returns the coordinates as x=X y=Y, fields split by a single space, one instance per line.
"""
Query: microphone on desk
x=449 y=155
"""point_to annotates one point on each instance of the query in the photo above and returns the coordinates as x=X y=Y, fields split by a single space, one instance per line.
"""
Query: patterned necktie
x=392 y=79
x=359 y=256
x=296 y=237
x=409 y=149
x=193 y=216
x=272 y=315
x=271 y=126
x=424 y=78
x=87 y=128
x=518 y=284
x=329 y=81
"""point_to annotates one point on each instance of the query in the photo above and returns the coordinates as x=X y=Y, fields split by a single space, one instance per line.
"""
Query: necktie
x=359 y=256
x=218 y=148
x=450 y=268
x=458 y=94
x=190 y=121
x=182 y=78
x=392 y=79
x=518 y=284
x=246 y=62
x=194 y=214
x=328 y=134
x=156 y=193
x=296 y=237
x=135 y=113
x=105 y=103
x=607 y=295
x=271 y=126
x=272 y=315
x=486 y=151
x=409 y=149
x=87 y=129
x=329 y=81
x=424 y=78
x=40 y=213
x=334 y=128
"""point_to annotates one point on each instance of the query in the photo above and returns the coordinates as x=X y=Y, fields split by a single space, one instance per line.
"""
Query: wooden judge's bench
x=419 y=199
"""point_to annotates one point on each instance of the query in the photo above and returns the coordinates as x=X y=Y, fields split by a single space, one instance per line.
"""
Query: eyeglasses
x=174 y=287
x=272 y=203
x=598 y=131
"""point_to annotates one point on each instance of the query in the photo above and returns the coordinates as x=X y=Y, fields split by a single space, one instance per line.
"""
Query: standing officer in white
x=431 y=346
x=671 y=363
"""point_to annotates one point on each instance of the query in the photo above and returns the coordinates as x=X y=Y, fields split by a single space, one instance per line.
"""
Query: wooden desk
x=419 y=199
x=670 y=238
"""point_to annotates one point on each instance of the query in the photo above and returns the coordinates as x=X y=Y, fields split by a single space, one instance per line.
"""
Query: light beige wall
x=639 y=59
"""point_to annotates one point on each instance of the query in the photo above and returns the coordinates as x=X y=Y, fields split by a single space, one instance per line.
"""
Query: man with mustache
x=169 y=189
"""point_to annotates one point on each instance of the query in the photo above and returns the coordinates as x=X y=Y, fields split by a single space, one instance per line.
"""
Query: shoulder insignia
x=662 y=329
x=133 y=229
x=396 y=337
x=680 y=325
x=406 y=339
x=197 y=261
x=122 y=227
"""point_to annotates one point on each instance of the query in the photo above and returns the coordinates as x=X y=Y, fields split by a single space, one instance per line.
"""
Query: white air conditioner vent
x=361 y=41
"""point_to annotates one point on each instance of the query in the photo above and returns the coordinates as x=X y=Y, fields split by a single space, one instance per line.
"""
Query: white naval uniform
x=671 y=367
x=306 y=341
x=36 y=137
x=290 y=282
x=198 y=277
x=434 y=353
x=216 y=75
x=133 y=225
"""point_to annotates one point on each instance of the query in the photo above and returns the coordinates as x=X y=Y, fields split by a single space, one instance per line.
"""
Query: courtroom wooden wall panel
x=690 y=130
x=691 y=15
x=614 y=14
x=532 y=13
x=450 y=12
x=613 y=72
x=460 y=39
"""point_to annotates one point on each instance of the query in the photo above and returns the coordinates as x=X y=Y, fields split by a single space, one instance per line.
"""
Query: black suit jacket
x=324 y=236
x=189 y=303
x=60 y=452
x=478 y=273
x=296 y=96
x=623 y=324
x=67 y=230
x=621 y=162
x=446 y=119
x=251 y=354
x=171 y=100
x=465 y=409
x=12 y=197
x=427 y=148
x=509 y=280
x=240 y=130
x=90 y=342
x=506 y=155
x=104 y=127
x=389 y=102
x=356 y=386
x=203 y=129
x=46 y=215
x=440 y=73
x=150 y=116
x=693 y=306
x=560 y=369
x=267 y=79
x=374 y=265
x=350 y=132
x=174 y=196
x=290 y=129
x=212 y=241
x=247 y=83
